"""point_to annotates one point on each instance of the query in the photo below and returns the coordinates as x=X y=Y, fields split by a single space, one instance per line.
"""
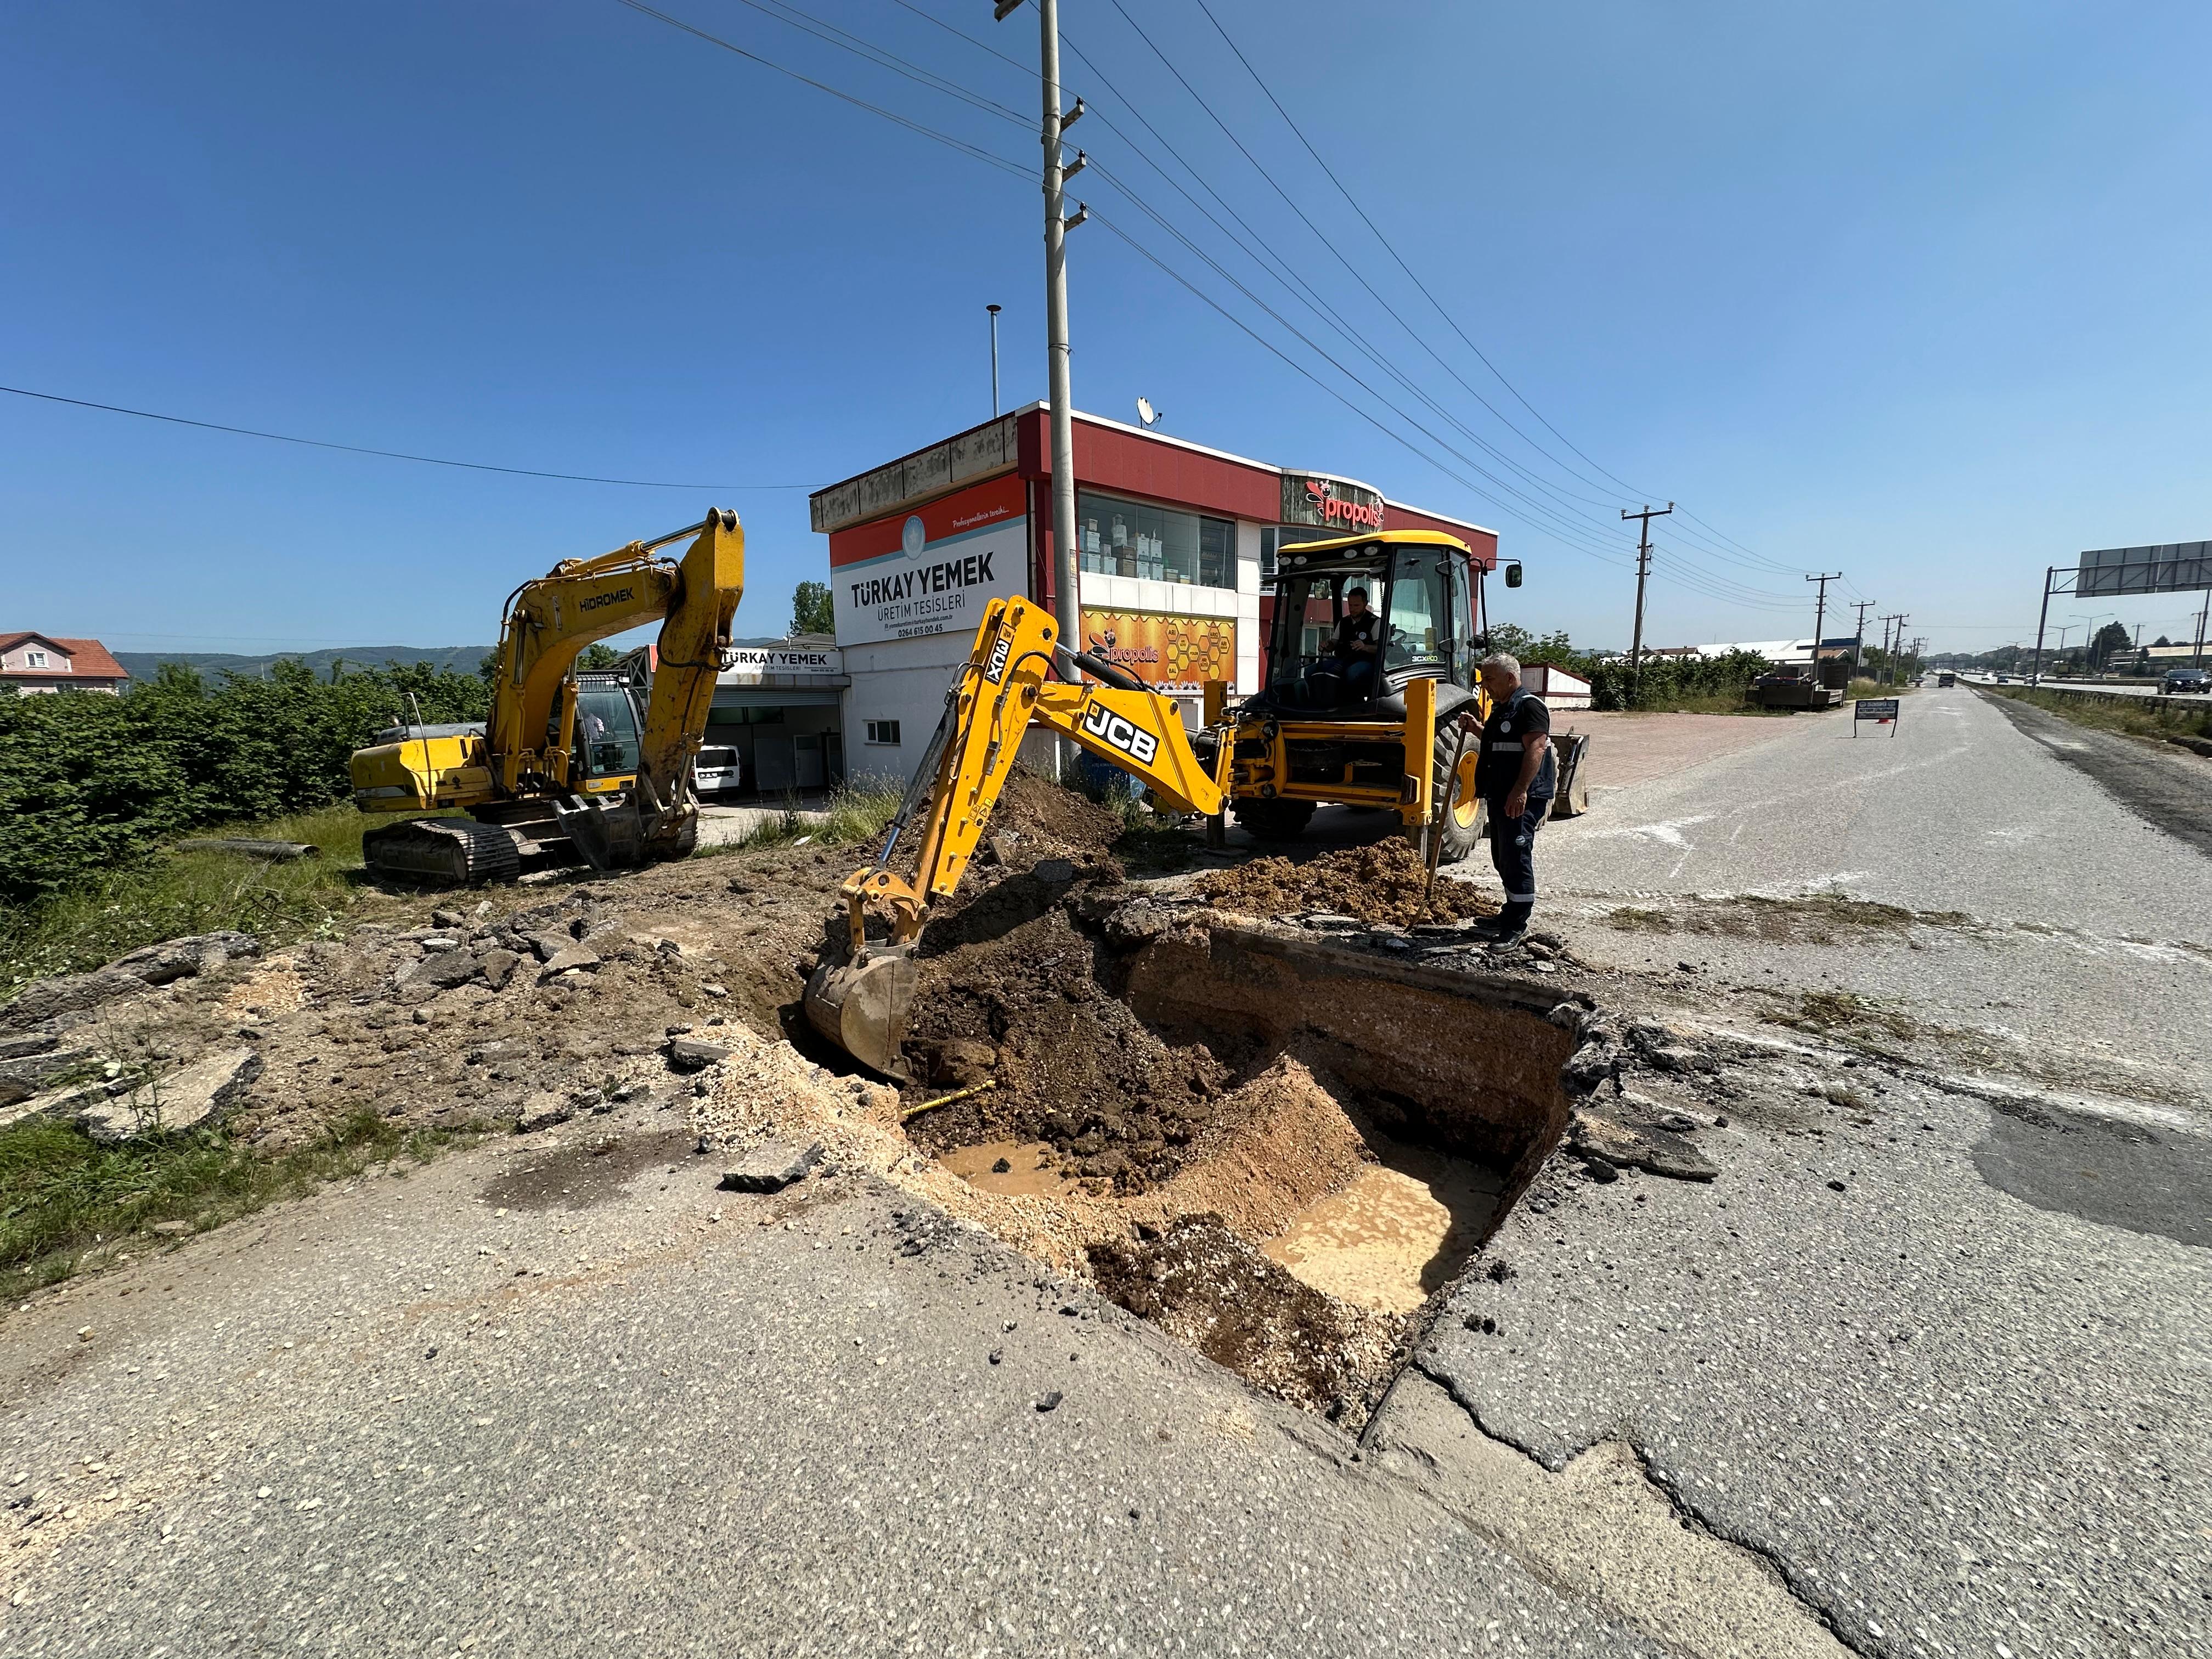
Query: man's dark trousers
x=1513 y=852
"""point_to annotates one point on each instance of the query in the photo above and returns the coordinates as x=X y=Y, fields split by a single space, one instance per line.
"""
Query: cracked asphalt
x=1934 y=1344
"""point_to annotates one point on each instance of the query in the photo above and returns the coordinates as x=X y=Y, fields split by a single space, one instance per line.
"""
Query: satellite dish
x=1145 y=412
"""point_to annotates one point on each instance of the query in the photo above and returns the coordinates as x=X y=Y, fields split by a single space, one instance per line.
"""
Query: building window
x=1273 y=540
x=1126 y=538
x=885 y=733
x=34 y=660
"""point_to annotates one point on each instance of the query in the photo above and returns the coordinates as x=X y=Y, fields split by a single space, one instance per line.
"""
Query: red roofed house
x=46 y=662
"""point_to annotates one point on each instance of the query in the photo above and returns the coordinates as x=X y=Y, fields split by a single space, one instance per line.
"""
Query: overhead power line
x=387 y=454
x=975 y=151
x=1560 y=523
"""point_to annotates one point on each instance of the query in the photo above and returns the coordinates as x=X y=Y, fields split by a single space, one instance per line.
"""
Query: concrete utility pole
x=1067 y=604
x=1889 y=649
x=1858 y=639
x=1643 y=570
x=1820 y=615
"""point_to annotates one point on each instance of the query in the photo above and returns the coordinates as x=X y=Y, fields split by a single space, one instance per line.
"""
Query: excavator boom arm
x=550 y=621
x=1003 y=691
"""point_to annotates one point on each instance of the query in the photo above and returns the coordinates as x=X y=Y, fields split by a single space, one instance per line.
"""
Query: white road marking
x=1667 y=832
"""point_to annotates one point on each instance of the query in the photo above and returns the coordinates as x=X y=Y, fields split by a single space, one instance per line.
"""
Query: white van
x=715 y=771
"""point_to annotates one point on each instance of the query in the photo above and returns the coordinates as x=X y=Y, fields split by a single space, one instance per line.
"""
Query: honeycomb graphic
x=1194 y=651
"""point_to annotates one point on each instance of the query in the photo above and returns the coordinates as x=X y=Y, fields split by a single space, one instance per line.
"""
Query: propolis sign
x=1326 y=503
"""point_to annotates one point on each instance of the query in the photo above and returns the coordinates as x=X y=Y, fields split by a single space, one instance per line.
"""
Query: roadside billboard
x=2166 y=567
x=1169 y=653
x=933 y=570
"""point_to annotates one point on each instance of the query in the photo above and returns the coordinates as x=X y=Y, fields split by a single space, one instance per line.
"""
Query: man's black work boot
x=1507 y=927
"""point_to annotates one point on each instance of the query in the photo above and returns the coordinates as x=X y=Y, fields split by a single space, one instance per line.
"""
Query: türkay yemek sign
x=744 y=663
x=933 y=570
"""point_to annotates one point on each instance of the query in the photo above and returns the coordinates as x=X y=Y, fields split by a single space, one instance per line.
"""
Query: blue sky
x=1914 y=293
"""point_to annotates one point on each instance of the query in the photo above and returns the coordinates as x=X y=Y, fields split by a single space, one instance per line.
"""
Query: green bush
x=89 y=784
x=1663 y=682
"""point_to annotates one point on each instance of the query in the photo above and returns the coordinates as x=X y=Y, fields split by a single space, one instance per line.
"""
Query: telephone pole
x=1888 y=650
x=1820 y=614
x=1858 y=639
x=1068 y=606
x=1643 y=570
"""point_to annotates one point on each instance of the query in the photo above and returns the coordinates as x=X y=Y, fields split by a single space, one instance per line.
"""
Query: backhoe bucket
x=862 y=1007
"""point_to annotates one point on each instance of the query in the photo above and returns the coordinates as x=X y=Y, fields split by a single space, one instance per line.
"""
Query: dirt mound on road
x=1380 y=884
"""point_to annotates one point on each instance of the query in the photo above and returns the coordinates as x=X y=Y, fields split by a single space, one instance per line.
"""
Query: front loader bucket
x=862 y=1007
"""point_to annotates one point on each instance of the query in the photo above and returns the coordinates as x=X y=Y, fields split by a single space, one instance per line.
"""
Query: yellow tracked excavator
x=552 y=777
x=860 y=1004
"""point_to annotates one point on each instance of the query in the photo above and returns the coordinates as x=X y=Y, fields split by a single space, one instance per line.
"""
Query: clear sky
x=1916 y=293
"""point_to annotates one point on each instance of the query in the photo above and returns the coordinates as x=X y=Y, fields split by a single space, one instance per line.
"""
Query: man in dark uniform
x=1357 y=647
x=1513 y=774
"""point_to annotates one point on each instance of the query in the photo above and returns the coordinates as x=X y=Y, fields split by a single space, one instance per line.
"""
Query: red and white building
x=34 y=663
x=1177 y=558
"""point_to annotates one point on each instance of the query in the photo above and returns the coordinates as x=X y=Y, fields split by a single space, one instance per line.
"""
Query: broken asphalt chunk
x=770 y=1167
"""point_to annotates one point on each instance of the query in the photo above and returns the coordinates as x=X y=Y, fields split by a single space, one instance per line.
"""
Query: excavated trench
x=1278 y=1149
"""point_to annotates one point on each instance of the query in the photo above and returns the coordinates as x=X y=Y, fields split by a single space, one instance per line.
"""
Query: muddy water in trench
x=1396 y=1234
x=1034 y=1167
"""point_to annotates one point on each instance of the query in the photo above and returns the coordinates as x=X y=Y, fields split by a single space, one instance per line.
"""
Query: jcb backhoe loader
x=532 y=798
x=1321 y=732
x=861 y=1004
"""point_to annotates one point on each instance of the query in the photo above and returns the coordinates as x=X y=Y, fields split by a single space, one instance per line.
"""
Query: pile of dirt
x=1073 y=1067
x=1381 y=884
x=1209 y=1289
x=1037 y=817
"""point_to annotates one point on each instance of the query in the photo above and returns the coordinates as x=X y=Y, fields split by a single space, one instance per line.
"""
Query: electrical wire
x=387 y=454
x=974 y=151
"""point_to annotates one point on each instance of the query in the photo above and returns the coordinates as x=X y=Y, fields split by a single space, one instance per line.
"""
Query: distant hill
x=462 y=659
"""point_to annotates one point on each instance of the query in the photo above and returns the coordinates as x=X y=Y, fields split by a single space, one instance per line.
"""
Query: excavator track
x=452 y=851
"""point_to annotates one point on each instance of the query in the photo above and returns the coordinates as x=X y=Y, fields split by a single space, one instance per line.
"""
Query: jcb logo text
x=1111 y=729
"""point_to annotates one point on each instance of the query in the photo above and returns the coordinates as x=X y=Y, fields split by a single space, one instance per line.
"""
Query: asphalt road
x=2075 y=937
x=394 y=1419
x=1934 y=1343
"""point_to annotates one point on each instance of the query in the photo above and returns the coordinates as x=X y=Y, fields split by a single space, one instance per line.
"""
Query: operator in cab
x=1359 y=646
x=1514 y=773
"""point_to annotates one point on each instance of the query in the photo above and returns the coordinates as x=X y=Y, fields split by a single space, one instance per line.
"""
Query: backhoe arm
x=1002 y=691
x=1004 y=688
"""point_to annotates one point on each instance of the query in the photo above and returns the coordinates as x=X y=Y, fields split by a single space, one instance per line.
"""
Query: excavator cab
x=603 y=756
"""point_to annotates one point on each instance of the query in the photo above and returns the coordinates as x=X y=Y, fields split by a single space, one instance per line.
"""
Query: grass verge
x=171 y=894
x=67 y=1200
x=2131 y=716
x=855 y=811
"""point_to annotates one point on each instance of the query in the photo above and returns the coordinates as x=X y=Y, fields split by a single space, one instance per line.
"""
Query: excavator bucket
x=862 y=1007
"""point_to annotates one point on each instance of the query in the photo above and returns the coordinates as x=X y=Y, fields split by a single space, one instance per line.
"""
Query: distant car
x=716 y=771
x=2191 y=681
x=2004 y=679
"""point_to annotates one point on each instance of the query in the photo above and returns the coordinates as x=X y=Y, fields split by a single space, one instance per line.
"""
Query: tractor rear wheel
x=1463 y=819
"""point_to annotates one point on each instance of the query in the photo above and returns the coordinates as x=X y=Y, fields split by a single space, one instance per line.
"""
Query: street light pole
x=994 y=310
x=1067 y=603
